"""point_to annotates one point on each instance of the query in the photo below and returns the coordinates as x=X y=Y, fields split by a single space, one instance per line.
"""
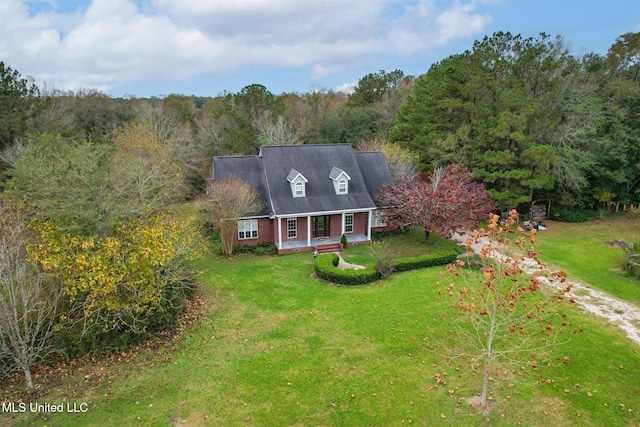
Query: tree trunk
x=488 y=366
x=227 y=231
x=426 y=236
x=28 y=379
x=485 y=387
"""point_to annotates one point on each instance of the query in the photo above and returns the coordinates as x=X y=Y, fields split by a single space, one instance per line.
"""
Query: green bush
x=383 y=257
x=343 y=240
x=572 y=214
x=265 y=248
x=427 y=260
x=326 y=267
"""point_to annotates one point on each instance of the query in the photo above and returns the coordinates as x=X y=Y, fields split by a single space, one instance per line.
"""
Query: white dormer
x=340 y=180
x=298 y=183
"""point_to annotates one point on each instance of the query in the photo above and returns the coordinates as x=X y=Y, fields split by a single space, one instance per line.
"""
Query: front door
x=321 y=226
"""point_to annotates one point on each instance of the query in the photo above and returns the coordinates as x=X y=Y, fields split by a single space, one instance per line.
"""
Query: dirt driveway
x=624 y=315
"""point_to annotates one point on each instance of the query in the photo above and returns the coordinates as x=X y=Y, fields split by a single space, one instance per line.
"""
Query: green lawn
x=409 y=243
x=580 y=249
x=275 y=346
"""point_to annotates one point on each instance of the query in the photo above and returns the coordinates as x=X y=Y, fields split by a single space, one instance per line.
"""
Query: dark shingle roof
x=248 y=168
x=269 y=172
x=374 y=170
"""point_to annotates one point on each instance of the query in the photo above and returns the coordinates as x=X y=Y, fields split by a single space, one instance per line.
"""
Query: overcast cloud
x=104 y=43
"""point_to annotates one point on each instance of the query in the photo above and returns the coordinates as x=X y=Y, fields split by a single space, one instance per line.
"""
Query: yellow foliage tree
x=121 y=280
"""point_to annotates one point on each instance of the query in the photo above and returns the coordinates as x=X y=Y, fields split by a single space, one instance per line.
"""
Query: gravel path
x=619 y=313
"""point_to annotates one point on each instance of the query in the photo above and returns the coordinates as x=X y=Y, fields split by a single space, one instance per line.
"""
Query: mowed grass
x=582 y=251
x=406 y=244
x=274 y=346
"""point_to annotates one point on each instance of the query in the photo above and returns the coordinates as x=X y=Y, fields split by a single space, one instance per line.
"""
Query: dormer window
x=340 y=180
x=342 y=186
x=298 y=183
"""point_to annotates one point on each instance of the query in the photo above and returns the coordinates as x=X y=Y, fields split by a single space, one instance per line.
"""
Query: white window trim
x=291 y=229
x=338 y=176
x=343 y=186
x=247 y=227
x=296 y=179
x=376 y=220
x=347 y=216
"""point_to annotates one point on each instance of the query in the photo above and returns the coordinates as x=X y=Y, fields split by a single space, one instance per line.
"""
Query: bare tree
x=9 y=156
x=27 y=304
x=276 y=132
x=502 y=318
x=400 y=161
x=228 y=200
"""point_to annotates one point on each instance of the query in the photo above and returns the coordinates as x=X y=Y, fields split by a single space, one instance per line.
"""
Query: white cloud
x=115 y=41
x=348 y=88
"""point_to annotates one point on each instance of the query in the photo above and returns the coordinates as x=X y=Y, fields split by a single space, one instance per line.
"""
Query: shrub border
x=326 y=267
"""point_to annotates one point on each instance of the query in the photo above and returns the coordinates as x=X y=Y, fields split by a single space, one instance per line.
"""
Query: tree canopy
x=447 y=201
x=18 y=103
x=527 y=117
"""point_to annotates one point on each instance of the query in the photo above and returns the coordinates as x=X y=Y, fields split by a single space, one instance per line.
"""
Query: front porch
x=302 y=245
x=305 y=233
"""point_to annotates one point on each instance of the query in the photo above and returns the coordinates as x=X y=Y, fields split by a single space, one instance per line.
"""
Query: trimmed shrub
x=343 y=240
x=326 y=267
x=427 y=260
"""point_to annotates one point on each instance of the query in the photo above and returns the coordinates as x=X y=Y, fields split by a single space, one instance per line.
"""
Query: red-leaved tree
x=449 y=200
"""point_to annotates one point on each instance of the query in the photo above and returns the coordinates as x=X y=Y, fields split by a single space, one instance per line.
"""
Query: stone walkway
x=342 y=264
x=620 y=313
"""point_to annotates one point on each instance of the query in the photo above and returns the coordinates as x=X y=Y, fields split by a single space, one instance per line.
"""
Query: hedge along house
x=312 y=195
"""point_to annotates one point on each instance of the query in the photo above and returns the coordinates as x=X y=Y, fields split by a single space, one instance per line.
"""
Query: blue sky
x=205 y=47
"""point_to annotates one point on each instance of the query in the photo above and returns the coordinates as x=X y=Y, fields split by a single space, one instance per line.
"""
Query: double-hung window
x=247 y=229
x=292 y=228
x=376 y=220
x=342 y=186
x=348 y=223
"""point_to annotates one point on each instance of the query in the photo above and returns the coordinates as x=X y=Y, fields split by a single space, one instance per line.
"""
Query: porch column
x=279 y=233
x=308 y=230
x=342 y=232
x=369 y=225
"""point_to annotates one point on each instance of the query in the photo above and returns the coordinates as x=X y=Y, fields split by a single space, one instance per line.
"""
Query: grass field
x=274 y=346
x=581 y=250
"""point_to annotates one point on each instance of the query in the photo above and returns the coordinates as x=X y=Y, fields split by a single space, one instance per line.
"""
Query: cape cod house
x=312 y=195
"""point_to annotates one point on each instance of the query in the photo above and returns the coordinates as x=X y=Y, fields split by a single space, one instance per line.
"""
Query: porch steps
x=329 y=247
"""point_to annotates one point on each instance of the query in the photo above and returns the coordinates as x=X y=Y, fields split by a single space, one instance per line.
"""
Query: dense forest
x=90 y=254
x=527 y=117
